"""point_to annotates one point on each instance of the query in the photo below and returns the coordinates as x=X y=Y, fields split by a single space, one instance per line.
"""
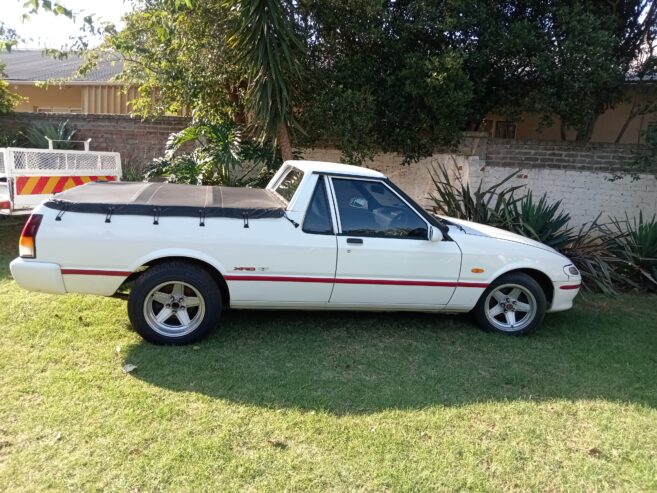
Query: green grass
x=324 y=402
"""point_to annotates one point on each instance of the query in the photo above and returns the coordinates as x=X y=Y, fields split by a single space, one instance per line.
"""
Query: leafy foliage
x=267 y=45
x=394 y=76
x=542 y=221
x=37 y=135
x=485 y=206
x=219 y=156
x=634 y=243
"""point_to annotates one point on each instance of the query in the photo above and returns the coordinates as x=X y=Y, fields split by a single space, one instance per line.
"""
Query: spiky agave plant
x=540 y=220
x=482 y=205
x=635 y=245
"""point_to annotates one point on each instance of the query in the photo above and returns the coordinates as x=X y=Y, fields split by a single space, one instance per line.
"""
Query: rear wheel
x=513 y=304
x=174 y=303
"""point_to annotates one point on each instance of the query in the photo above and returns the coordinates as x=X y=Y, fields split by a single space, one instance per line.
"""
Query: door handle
x=357 y=241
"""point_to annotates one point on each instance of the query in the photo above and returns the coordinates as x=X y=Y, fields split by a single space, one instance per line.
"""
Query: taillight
x=5 y=204
x=27 y=243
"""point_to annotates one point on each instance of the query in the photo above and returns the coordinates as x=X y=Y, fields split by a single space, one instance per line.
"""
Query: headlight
x=571 y=270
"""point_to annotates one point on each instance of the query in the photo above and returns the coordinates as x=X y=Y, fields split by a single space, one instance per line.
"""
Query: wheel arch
x=540 y=277
x=213 y=270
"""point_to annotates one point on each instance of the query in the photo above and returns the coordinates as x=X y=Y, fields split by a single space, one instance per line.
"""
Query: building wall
x=607 y=127
x=63 y=97
x=109 y=99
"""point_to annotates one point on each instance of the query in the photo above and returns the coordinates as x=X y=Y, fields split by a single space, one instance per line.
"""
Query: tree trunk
x=283 y=142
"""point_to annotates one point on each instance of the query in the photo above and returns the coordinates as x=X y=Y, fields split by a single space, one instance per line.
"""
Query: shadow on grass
x=346 y=363
x=10 y=230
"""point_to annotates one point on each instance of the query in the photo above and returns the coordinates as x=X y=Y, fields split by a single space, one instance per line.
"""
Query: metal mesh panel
x=2 y=161
x=36 y=162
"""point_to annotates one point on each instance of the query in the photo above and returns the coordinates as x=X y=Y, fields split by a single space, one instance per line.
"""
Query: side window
x=369 y=208
x=318 y=215
x=289 y=183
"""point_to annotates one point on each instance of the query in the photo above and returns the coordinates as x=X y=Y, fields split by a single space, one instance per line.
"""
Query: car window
x=289 y=184
x=369 y=208
x=318 y=215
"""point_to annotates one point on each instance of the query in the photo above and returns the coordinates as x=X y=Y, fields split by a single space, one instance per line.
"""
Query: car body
x=344 y=238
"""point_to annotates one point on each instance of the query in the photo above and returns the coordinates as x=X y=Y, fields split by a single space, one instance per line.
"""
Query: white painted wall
x=584 y=194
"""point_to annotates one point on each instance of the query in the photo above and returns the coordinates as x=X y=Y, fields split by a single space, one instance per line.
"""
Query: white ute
x=321 y=236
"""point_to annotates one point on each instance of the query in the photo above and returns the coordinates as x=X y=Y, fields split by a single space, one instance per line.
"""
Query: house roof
x=34 y=66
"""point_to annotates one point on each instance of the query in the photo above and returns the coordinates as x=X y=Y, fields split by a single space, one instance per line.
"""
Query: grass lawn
x=324 y=401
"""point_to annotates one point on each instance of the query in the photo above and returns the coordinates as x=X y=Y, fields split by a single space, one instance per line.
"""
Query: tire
x=513 y=304
x=174 y=303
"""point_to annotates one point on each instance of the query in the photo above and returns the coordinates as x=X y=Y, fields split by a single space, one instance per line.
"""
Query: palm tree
x=267 y=46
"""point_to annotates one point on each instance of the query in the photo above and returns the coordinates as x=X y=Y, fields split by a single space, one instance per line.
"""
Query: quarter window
x=318 y=216
x=289 y=184
x=369 y=208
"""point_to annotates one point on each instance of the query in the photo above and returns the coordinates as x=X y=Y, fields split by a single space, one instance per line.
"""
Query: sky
x=47 y=30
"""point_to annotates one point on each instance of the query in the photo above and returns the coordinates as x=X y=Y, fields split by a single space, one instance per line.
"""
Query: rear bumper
x=45 y=277
x=564 y=294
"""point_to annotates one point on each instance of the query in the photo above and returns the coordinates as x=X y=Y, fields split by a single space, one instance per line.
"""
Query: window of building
x=505 y=130
x=651 y=132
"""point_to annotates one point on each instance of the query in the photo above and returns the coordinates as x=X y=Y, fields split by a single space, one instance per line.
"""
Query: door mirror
x=435 y=234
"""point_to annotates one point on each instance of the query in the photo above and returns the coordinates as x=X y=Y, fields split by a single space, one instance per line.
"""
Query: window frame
x=384 y=183
x=282 y=178
x=329 y=205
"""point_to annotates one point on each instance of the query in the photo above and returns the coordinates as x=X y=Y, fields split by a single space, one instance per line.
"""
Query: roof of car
x=335 y=168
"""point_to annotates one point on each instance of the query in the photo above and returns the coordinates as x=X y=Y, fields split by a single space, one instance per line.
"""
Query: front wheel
x=513 y=304
x=174 y=303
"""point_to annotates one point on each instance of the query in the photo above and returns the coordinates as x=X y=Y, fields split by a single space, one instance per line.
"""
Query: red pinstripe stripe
x=381 y=282
x=88 y=272
x=570 y=286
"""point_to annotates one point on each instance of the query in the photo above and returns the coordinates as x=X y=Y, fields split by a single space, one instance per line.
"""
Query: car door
x=385 y=258
x=296 y=265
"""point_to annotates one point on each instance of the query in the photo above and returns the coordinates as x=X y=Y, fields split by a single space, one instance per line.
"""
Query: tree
x=223 y=60
x=267 y=45
x=8 y=99
x=399 y=76
x=563 y=58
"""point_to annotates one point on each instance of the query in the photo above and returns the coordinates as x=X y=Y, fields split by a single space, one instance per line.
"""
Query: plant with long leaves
x=267 y=45
x=61 y=134
x=634 y=244
x=482 y=205
x=542 y=221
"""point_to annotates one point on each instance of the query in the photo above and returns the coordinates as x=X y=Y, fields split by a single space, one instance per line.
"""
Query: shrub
x=634 y=244
x=35 y=135
x=541 y=221
x=219 y=157
x=485 y=206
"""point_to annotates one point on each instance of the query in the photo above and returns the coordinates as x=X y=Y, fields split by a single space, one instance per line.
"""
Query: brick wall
x=578 y=175
x=527 y=154
x=138 y=141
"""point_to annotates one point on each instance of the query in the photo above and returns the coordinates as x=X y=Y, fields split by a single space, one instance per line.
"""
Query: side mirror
x=435 y=234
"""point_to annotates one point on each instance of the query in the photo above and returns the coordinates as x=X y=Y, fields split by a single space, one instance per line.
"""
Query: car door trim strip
x=382 y=282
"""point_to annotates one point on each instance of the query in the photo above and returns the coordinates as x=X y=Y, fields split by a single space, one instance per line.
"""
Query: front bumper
x=564 y=294
x=44 y=277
